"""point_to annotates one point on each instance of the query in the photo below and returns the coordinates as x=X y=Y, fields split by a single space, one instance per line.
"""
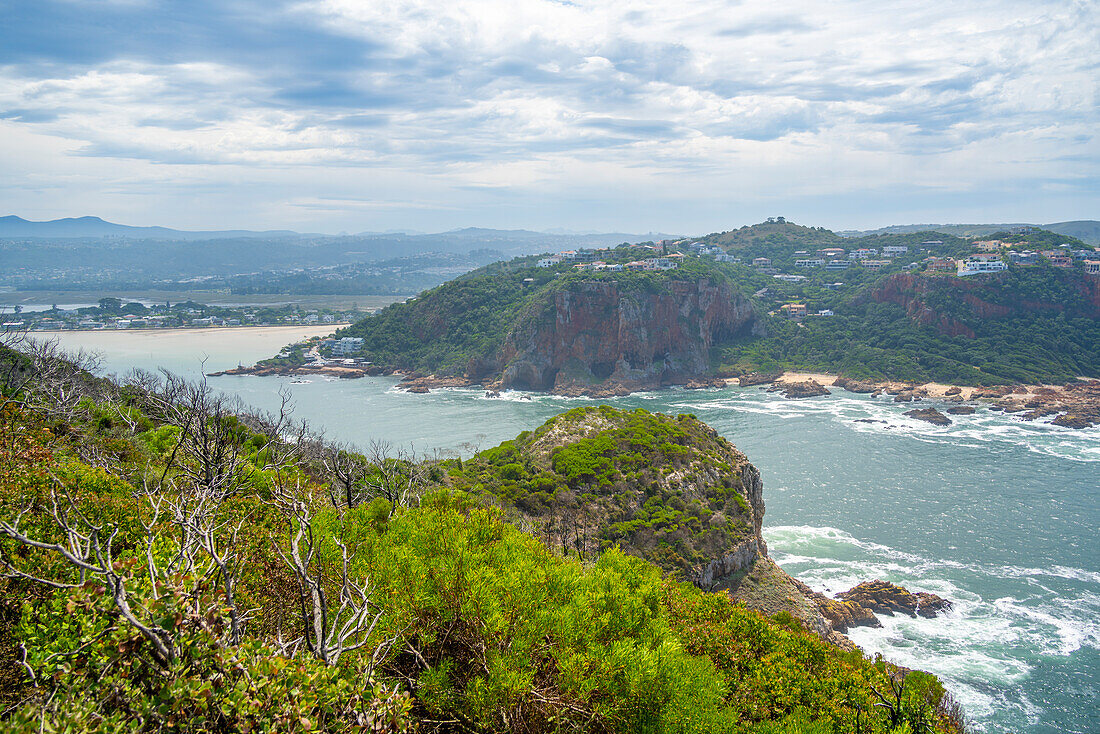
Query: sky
x=689 y=116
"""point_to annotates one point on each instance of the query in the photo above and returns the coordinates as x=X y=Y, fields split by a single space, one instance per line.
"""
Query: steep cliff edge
x=667 y=489
x=600 y=332
x=962 y=306
x=573 y=333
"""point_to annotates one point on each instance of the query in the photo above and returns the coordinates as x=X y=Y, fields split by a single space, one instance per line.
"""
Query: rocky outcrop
x=758 y=378
x=929 y=415
x=703 y=383
x=841 y=615
x=1068 y=420
x=858 y=386
x=882 y=597
x=807 y=389
x=1075 y=405
x=596 y=335
x=929 y=605
x=961 y=410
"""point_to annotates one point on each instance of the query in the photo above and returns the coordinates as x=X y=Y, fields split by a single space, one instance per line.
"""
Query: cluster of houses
x=989 y=259
x=994 y=262
x=836 y=258
x=584 y=260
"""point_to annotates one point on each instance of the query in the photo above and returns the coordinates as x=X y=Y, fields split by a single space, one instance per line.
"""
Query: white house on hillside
x=981 y=263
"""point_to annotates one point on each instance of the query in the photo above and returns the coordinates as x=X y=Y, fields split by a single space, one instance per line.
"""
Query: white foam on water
x=974 y=430
x=984 y=650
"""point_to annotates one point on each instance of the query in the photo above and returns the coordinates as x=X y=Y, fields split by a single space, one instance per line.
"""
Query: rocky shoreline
x=1072 y=405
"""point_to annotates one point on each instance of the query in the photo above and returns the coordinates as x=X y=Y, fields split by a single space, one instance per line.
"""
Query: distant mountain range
x=12 y=227
x=1086 y=230
x=90 y=252
x=84 y=227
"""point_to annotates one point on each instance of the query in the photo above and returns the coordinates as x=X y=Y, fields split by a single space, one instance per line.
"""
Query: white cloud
x=548 y=99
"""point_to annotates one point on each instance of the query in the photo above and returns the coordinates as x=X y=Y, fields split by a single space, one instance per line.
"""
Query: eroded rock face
x=595 y=336
x=929 y=415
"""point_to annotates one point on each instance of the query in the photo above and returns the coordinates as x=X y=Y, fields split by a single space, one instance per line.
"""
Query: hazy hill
x=84 y=227
x=91 y=253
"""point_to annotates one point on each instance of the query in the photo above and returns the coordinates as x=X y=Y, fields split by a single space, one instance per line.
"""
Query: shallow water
x=997 y=514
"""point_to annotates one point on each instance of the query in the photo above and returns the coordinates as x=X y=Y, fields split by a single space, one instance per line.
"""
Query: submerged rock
x=929 y=415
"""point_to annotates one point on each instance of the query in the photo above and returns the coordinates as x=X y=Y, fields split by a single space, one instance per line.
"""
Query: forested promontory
x=765 y=298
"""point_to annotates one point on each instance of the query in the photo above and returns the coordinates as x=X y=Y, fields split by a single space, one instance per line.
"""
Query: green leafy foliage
x=481 y=626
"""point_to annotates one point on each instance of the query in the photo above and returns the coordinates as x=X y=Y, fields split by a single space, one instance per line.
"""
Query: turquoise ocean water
x=999 y=515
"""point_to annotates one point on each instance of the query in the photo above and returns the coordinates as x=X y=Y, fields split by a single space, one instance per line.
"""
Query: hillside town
x=114 y=314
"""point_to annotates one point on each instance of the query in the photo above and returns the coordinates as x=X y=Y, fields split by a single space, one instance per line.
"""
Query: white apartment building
x=347 y=345
x=981 y=263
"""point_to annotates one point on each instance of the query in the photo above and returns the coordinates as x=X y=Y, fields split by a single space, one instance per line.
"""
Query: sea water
x=996 y=514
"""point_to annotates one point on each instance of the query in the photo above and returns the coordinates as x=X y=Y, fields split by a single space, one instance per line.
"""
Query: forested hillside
x=1025 y=325
x=515 y=325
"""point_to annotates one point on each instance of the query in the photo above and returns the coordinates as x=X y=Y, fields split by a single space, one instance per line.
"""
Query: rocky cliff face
x=972 y=299
x=594 y=335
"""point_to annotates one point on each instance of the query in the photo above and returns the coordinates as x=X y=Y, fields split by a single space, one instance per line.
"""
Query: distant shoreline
x=321 y=329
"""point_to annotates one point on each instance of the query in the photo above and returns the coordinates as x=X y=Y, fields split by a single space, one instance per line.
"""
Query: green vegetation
x=1024 y=325
x=669 y=490
x=215 y=580
x=460 y=327
x=1028 y=324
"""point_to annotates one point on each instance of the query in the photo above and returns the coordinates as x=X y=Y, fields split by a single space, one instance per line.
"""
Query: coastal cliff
x=959 y=306
x=598 y=334
x=667 y=489
x=573 y=333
